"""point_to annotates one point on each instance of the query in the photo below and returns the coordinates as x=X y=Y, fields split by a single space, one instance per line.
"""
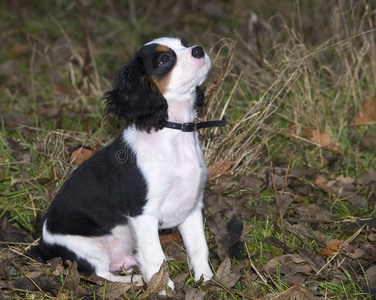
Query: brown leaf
x=368 y=177
x=173 y=237
x=219 y=168
x=20 y=49
x=322 y=139
x=72 y=280
x=315 y=261
x=225 y=274
x=250 y=182
x=194 y=294
x=322 y=184
x=334 y=244
x=367 y=113
x=332 y=247
x=7 y=269
x=112 y=290
x=81 y=154
x=158 y=281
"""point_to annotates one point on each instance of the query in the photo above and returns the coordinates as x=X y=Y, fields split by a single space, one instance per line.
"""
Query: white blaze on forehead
x=172 y=43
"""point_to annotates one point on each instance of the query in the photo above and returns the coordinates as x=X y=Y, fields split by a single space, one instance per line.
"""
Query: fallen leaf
x=370 y=286
x=334 y=244
x=7 y=269
x=332 y=247
x=72 y=280
x=367 y=113
x=368 y=177
x=225 y=274
x=81 y=154
x=10 y=233
x=219 y=168
x=250 y=182
x=301 y=231
x=112 y=290
x=173 y=237
x=315 y=261
x=157 y=282
x=194 y=294
x=20 y=49
x=322 y=184
x=322 y=139
x=345 y=180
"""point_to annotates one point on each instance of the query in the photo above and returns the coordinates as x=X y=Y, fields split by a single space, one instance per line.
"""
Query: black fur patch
x=133 y=95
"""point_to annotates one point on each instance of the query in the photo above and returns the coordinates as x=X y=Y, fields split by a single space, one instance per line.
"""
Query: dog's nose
x=198 y=52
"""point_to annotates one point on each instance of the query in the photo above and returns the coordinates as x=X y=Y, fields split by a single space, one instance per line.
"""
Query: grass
x=305 y=68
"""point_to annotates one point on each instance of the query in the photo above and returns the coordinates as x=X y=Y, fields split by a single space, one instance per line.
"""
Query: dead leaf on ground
x=315 y=261
x=173 y=237
x=226 y=274
x=157 y=282
x=194 y=294
x=112 y=290
x=332 y=247
x=322 y=139
x=10 y=233
x=314 y=212
x=367 y=113
x=301 y=231
x=368 y=177
x=72 y=279
x=321 y=182
x=219 y=168
x=81 y=154
x=20 y=49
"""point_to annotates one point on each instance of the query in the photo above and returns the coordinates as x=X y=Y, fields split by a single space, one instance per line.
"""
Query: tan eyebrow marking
x=162 y=48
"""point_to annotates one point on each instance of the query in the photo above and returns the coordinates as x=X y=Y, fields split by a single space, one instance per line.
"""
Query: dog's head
x=162 y=71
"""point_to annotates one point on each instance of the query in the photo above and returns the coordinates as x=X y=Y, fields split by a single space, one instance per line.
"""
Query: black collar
x=193 y=126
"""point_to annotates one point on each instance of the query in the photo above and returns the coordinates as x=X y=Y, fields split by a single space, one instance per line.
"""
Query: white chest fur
x=173 y=166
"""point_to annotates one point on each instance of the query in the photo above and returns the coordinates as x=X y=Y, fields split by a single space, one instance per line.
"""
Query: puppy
x=108 y=212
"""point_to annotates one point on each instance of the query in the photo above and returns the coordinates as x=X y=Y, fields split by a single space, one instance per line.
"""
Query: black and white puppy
x=108 y=212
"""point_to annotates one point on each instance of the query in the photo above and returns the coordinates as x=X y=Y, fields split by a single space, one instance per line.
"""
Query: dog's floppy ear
x=200 y=97
x=135 y=98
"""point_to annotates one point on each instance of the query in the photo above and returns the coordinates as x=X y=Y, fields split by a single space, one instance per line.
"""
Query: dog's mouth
x=200 y=74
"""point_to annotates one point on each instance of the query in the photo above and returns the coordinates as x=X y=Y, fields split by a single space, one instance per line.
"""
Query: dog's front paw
x=204 y=275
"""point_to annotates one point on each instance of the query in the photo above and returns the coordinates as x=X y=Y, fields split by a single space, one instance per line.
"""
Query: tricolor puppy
x=108 y=212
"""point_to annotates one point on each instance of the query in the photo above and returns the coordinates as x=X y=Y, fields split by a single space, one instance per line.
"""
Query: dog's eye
x=163 y=59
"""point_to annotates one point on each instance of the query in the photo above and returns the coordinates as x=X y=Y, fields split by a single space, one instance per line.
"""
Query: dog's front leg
x=193 y=234
x=150 y=255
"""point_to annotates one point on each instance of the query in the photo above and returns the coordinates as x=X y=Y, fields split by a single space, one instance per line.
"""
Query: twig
x=254 y=267
x=27 y=276
x=32 y=116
